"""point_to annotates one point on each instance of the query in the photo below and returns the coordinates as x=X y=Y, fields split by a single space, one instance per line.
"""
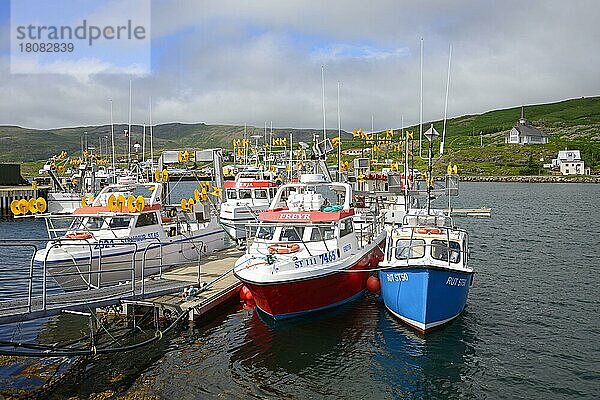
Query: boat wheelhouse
x=127 y=234
x=310 y=255
x=246 y=197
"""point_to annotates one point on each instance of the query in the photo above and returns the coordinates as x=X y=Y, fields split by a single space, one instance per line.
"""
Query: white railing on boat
x=39 y=281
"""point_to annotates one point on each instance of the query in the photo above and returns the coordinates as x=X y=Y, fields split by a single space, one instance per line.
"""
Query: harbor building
x=569 y=162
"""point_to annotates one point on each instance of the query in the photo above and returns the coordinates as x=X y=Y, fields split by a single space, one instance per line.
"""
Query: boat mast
x=323 y=95
x=339 y=134
x=144 y=142
x=129 y=129
x=429 y=180
x=112 y=139
x=446 y=104
x=151 y=138
x=421 y=106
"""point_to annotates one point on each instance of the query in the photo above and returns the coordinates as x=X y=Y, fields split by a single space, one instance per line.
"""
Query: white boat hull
x=76 y=265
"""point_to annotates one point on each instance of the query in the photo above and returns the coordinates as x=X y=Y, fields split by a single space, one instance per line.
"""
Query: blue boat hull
x=425 y=297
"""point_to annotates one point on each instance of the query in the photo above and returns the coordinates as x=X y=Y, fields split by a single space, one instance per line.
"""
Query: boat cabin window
x=406 y=248
x=260 y=193
x=119 y=222
x=321 y=233
x=231 y=194
x=94 y=223
x=346 y=227
x=272 y=192
x=441 y=248
x=291 y=234
x=146 y=219
x=265 y=232
x=245 y=194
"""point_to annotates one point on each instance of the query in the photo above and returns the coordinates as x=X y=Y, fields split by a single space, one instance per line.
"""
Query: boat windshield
x=322 y=233
x=260 y=193
x=291 y=234
x=407 y=248
x=245 y=194
x=265 y=232
x=93 y=223
x=231 y=194
x=119 y=222
x=440 y=249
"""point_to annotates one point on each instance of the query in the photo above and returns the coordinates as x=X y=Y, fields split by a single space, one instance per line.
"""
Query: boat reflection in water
x=412 y=365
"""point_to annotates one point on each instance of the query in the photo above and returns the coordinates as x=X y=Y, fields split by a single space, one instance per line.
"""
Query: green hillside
x=573 y=124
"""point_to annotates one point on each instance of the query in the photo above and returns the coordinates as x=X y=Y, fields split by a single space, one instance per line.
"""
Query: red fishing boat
x=313 y=254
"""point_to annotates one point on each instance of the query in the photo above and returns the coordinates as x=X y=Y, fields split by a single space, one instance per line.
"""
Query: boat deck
x=214 y=276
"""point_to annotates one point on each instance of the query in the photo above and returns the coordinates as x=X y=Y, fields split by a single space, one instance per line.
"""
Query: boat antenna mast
x=446 y=103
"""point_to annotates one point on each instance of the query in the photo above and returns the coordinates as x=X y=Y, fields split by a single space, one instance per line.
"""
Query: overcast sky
x=236 y=62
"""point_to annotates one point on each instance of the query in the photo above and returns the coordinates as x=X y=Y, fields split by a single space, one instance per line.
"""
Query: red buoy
x=248 y=305
x=373 y=284
x=245 y=293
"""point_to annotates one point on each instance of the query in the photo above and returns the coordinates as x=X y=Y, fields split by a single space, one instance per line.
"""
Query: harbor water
x=530 y=330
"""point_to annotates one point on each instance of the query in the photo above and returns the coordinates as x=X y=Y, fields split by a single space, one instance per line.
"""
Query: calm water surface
x=531 y=328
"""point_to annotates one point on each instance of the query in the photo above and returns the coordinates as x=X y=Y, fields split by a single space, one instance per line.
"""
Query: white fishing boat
x=310 y=254
x=249 y=194
x=127 y=233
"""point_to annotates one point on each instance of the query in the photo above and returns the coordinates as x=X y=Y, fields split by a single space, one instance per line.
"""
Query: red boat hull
x=289 y=299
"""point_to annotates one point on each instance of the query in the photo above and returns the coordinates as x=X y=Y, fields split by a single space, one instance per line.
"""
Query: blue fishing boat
x=425 y=278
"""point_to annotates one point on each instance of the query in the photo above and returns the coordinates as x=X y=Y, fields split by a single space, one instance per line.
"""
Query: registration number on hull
x=324 y=258
x=396 y=276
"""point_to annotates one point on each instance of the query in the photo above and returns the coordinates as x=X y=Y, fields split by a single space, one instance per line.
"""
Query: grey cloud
x=504 y=54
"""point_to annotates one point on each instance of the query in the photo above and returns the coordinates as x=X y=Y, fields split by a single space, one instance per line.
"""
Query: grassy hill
x=573 y=124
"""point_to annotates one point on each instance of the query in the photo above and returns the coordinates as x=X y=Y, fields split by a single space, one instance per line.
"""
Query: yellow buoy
x=157 y=175
x=32 y=206
x=14 y=207
x=120 y=203
x=184 y=204
x=41 y=205
x=84 y=201
x=23 y=206
x=165 y=175
x=191 y=203
x=216 y=191
x=196 y=195
x=131 y=204
x=111 y=203
x=140 y=203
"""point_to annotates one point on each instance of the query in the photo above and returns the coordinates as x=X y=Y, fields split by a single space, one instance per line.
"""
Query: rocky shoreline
x=533 y=179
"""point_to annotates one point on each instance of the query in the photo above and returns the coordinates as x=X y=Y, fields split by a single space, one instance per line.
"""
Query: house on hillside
x=525 y=133
x=569 y=162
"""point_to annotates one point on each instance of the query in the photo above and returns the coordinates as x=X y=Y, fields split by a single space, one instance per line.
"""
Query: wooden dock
x=217 y=281
x=470 y=212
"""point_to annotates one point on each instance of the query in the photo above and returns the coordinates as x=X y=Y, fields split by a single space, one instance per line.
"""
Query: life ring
x=284 y=248
x=79 y=235
x=428 y=231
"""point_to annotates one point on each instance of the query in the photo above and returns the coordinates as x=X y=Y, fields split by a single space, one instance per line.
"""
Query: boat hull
x=281 y=300
x=77 y=267
x=425 y=297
